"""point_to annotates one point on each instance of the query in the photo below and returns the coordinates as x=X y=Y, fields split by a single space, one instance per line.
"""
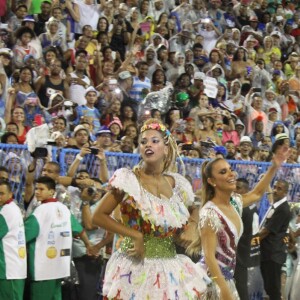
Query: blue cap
x=29 y=18
x=103 y=129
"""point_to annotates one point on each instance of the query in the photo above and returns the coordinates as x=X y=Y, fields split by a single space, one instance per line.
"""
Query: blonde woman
x=153 y=201
x=268 y=51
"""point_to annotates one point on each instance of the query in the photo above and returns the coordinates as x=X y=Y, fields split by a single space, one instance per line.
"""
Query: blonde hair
x=173 y=153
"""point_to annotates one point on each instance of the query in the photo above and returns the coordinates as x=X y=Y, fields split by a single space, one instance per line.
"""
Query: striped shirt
x=137 y=87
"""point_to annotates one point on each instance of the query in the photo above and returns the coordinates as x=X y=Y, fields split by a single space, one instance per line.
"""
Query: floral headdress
x=156 y=126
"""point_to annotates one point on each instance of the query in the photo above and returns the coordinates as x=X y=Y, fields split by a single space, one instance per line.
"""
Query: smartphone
x=94 y=151
x=38 y=120
x=187 y=147
x=257 y=90
x=113 y=55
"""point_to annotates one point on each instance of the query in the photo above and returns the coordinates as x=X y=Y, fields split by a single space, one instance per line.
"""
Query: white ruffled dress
x=162 y=274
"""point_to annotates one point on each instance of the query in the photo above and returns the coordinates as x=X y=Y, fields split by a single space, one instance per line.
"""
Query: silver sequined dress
x=227 y=240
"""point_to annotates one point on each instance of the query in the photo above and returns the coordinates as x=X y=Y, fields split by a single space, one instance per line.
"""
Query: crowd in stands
x=233 y=68
x=224 y=76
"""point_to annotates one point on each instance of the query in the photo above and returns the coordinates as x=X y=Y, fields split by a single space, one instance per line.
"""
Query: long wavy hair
x=207 y=193
x=173 y=152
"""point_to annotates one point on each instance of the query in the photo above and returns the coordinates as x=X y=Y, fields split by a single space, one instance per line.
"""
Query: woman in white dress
x=153 y=203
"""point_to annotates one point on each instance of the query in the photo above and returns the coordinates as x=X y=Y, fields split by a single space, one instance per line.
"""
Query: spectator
x=248 y=249
x=245 y=148
x=47 y=280
x=24 y=35
x=47 y=85
x=140 y=83
x=14 y=248
x=273 y=234
x=89 y=110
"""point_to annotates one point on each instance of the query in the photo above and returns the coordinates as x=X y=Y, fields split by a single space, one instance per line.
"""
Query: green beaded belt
x=154 y=247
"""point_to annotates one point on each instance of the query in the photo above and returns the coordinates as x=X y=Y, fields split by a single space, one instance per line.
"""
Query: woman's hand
x=138 y=250
x=281 y=155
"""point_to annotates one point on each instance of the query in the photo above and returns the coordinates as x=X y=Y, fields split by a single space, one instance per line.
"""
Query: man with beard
x=151 y=60
x=47 y=85
x=273 y=238
x=127 y=144
x=231 y=150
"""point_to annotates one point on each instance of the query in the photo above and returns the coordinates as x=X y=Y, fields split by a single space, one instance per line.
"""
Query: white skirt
x=153 y=278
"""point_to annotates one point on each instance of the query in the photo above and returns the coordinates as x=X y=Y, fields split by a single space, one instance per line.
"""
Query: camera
x=94 y=151
x=51 y=142
x=91 y=191
x=39 y=152
x=187 y=147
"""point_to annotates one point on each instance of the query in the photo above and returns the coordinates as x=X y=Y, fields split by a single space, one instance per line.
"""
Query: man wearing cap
x=104 y=138
x=89 y=110
x=196 y=88
x=272 y=118
x=125 y=83
x=15 y=21
x=245 y=148
x=182 y=101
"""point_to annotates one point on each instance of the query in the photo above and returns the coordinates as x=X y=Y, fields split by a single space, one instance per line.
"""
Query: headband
x=156 y=126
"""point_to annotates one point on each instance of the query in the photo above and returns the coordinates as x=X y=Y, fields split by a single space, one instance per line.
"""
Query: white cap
x=6 y=51
x=245 y=139
x=91 y=89
x=276 y=32
x=80 y=127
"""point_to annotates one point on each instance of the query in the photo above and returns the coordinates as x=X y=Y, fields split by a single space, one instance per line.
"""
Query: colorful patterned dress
x=162 y=274
x=227 y=238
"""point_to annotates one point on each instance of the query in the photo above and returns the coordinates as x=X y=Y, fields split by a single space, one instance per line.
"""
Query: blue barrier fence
x=16 y=159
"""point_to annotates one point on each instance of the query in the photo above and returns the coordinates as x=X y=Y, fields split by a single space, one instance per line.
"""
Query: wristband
x=79 y=157
x=85 y=203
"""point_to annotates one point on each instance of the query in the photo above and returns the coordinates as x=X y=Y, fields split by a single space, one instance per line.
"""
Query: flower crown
x=156 y=126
